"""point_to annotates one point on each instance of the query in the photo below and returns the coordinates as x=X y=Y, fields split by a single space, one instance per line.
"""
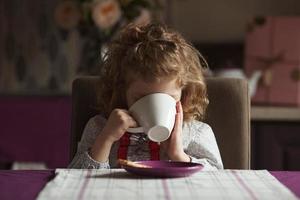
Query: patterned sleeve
x=203 y=147
x=82 y=159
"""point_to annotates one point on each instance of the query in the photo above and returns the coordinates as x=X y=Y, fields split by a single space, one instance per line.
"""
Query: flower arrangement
x=98 y=21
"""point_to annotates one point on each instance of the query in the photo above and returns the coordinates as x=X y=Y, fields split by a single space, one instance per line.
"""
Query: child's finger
x=132 y=122
x=179 y=108
x=177 y=126
x=128 y=119
x=180 y=113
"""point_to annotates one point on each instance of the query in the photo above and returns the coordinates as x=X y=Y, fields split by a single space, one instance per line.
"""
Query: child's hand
x=173 y=146
x=117 y=124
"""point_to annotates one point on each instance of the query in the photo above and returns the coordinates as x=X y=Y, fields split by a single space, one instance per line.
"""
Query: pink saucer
x=164 y=169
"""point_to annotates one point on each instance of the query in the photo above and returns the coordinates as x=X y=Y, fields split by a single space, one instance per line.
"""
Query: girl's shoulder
x=96 y=122
x=98 y=119
x=197 y=126
x=196 y=131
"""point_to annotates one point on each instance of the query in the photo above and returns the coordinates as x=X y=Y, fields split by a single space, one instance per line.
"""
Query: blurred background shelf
x=272 y=113
x=275 y=138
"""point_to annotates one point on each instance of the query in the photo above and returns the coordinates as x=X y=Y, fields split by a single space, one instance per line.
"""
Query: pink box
x=273 y=45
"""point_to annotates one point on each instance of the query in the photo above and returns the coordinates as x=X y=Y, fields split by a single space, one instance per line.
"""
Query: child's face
x=140 y=88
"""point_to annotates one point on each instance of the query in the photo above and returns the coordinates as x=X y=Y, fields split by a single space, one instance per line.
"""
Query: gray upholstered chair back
x=227 y=114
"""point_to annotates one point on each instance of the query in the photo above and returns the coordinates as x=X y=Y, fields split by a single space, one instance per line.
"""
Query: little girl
x=143 y=60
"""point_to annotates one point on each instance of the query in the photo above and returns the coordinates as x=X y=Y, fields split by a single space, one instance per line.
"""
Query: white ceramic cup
x=155 y=113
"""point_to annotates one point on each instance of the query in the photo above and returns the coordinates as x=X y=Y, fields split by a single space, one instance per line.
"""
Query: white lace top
x=197 y=138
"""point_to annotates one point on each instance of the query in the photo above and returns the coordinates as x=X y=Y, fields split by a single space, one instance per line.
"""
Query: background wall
x=223 y=21
x=44 y=45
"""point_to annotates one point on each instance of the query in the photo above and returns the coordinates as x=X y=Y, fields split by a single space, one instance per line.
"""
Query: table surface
x=26 y=184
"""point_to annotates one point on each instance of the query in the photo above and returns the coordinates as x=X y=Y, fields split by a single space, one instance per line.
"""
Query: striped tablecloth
x=118 y=184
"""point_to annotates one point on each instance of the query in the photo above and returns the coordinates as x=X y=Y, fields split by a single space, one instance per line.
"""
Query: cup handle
x=136 y=130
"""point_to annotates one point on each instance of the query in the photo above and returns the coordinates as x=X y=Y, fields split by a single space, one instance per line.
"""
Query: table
x=26 y=184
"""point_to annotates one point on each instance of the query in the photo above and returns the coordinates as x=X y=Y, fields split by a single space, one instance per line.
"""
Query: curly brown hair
x=152 y=52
